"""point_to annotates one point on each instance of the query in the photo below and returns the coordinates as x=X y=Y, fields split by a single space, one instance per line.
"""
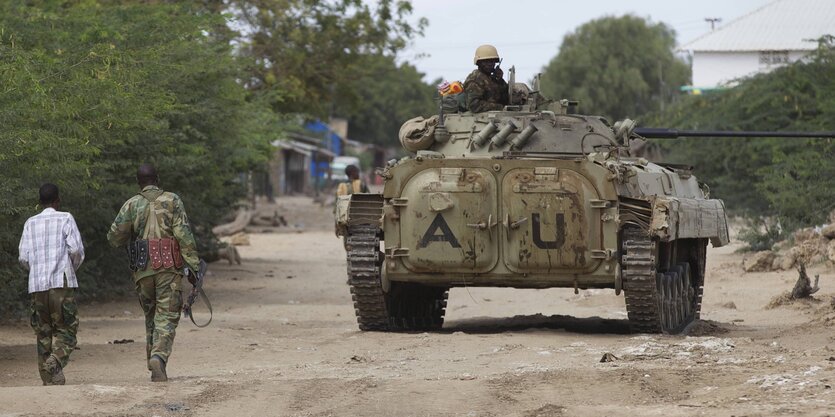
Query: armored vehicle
x=532 y=196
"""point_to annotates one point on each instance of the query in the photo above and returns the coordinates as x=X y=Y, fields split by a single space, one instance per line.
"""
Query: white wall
x=712 y=69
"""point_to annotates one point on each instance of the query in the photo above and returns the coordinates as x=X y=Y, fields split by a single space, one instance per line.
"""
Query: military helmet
x=485 y=52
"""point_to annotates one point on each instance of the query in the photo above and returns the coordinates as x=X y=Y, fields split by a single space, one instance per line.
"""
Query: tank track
x=407 y=306
x=659 y=301
x=701 y=261
x=364 y=277
x=639 y=281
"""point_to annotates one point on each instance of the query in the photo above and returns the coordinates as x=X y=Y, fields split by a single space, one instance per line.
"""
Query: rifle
x=197 y=290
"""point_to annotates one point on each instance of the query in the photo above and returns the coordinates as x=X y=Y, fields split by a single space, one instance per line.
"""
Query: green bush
x=760 y=234
x=792 y=180
x=104 y=89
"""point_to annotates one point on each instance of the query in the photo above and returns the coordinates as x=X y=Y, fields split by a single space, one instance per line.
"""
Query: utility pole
x=713 y=21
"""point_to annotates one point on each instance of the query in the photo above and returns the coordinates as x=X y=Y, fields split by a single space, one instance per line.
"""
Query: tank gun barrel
x=661 y=133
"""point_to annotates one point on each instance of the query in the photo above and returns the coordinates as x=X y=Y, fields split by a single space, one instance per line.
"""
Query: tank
x=533 y=196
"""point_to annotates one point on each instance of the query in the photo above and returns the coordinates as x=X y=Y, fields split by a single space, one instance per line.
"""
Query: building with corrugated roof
x=780 y=32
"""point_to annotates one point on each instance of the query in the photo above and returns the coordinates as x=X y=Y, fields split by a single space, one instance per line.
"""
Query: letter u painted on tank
x=559 y=235
x=432 y=236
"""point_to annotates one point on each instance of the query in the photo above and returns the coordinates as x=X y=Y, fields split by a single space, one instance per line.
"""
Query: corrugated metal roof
x=301 y=147
x=782 y=25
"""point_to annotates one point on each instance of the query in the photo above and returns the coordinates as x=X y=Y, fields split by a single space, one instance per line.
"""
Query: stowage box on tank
x=530 y=197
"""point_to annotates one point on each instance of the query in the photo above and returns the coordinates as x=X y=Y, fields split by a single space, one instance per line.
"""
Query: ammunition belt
x=159 y=253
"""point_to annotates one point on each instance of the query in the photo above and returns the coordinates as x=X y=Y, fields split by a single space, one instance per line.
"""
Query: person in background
x=354 y=183
x=51 y=250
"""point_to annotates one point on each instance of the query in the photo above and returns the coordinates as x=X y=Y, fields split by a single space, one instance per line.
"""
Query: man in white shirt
x=51 y=250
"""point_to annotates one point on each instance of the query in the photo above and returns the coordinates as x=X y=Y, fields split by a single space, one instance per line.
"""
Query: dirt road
x=284 y=342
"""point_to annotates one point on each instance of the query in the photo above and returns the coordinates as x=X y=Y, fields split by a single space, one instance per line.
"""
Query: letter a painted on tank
x=559 y=233
x=445 y=236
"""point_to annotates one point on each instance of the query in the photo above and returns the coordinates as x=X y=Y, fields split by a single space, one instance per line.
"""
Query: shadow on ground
x=584 y=325
x=539 y=321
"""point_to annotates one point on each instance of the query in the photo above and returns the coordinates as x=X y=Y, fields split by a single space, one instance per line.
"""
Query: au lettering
x=431 y=233
x=559 y=234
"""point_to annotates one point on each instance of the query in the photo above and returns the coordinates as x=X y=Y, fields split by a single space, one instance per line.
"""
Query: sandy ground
x=284 y=342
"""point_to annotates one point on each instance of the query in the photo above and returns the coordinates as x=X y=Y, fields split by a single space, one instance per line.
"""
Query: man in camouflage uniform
x=155 y=222
x=51 y=250
x=485 y=88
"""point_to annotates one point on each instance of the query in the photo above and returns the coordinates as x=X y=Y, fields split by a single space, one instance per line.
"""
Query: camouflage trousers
x=54 y=315
x=160 y=296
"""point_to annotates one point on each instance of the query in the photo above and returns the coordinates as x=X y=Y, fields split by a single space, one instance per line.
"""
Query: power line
x=475 y=44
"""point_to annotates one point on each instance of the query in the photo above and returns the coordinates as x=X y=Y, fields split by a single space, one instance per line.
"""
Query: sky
x=528 y=33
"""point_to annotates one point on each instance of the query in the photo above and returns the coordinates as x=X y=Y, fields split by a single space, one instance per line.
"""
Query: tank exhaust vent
x=481 y=138
x=501 y=138
x=521 y=139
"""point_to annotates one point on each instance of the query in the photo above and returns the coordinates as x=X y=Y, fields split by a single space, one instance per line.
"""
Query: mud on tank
x=532 y=196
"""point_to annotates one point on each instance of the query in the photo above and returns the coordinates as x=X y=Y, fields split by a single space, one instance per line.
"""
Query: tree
x=617 y=67
x=789 y=179
x=388 y=94
x=307 y=53
x=93 y=88
x=90 y=91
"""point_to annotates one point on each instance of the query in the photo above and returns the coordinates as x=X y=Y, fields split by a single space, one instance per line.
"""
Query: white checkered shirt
x=51 y=248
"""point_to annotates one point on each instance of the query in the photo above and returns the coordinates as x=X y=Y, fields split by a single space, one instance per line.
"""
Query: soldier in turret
x=485 y=88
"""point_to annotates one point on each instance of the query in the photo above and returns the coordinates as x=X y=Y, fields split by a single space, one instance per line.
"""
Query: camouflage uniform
x=485 y=93
x=160 y=290
x=54 y=313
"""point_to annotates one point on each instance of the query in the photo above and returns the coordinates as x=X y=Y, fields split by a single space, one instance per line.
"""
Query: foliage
x=617 y=67
x=793 y=179
x=388 y=94
x=90 y=91
x=307 y=54
x=761 y=233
